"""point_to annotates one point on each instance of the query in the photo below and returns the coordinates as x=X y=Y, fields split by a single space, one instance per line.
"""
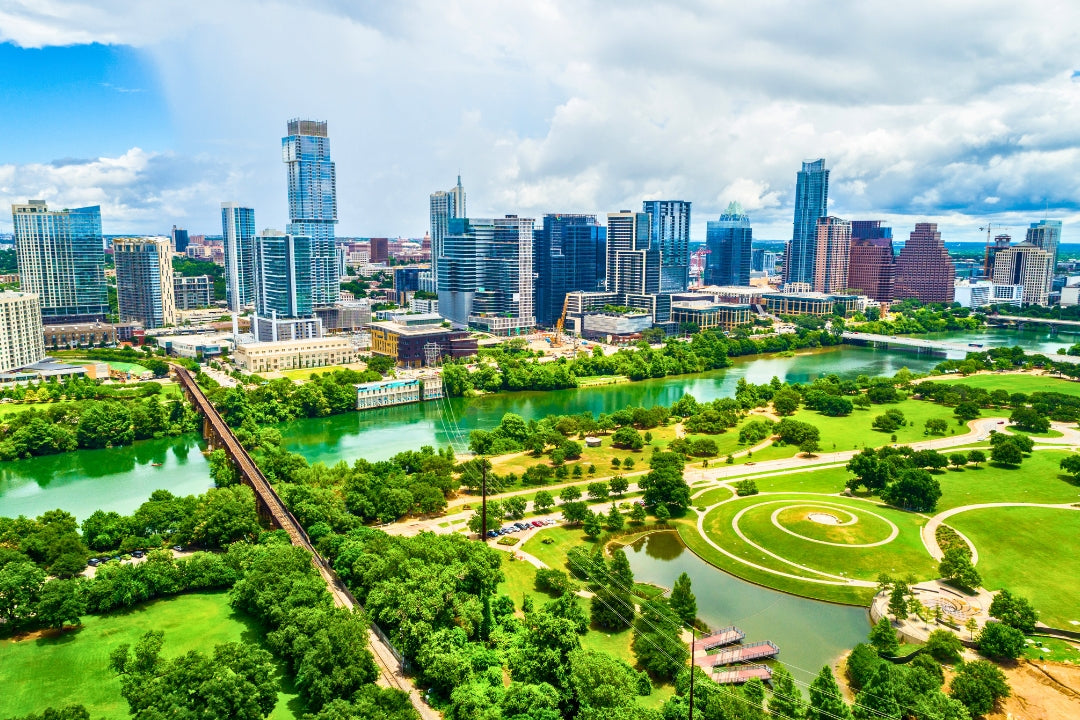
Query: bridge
x=272 y=510
x=940 y=346
x=1020 y=321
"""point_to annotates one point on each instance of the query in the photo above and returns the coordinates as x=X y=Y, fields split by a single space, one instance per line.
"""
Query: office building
x=406 y=279
x=870 y=230
x=980 y=293
x=568 y=255
x=1027 y=265
x=924 y=270
x=61 y=259
x=380 y=250
x=831 y=255
x=283 y=288
x=238 y=232
x=22 y=341
x=811 y=204
x=708 y=315
x=412 y=345
x=486 y=274
x=1046 y=235
x=192 y=293
x=633 y=262
x=872 y=268
x=144 y=281
x=63 y=337
x=313 y=202
x=669 y=233
x=445 y=205
x=809 y=303
x=729 y=241
x=179 y=239
x=261 y=357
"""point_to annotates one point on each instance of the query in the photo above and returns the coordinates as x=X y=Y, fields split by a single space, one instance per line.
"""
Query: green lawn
x=1014 y=383
x=1037 y=480
x=520 y=581
x=853 y=431
x=1031 y=551
x=306 y=373
x=554 y=554
x=1053 y=650
x=73 y=668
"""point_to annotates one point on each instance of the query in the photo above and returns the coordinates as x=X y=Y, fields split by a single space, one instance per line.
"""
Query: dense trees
x=682 y=601
x=999 y=641
x=978 y=685
x=1015 y=611
x=665 y=485
x=956 y=569
x=896 y=475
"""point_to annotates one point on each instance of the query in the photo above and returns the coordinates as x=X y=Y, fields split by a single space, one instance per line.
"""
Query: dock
x=739 y=675
x=728 y=636
x=745 y=653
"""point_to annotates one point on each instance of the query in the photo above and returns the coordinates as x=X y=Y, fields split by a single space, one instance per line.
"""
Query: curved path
x=929 y=531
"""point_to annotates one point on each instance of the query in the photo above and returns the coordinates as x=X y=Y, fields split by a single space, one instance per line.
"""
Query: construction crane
x=557 y=340
x=987 y=255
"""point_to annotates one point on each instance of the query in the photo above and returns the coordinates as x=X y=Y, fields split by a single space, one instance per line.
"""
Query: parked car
x=137 y=553
x=93 y=562
x=177 y=548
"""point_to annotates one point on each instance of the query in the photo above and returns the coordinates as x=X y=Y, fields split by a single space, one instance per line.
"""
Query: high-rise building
x=179 y=239
x=283 y=278
x=831 y=255
x=22 y=341
x=730 y=244
x=380 y=250
x=872 y=265
x=144 y=281
x=486 y=274
x=238 y=231
x=567 y=256
x=313 y=203
x=61 y=259
x=811 y=203
x=923 y=269
x=1028 y=265
x=633 y=262
x=193 y=292
x=445 y=205
x=1046 y=235
x=670 y=235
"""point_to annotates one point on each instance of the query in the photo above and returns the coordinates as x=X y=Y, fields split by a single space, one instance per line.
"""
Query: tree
x=890 y=421
x=1071 y=465
x=971 y=626
x=570 y=493
x=956 y=569
x=976 y=456
x=494 y=517
x=936 y=426
x=628 y=463
x=1015 y=611
x=627 y=437
x=514 y=507
x=657 y=642
x=883 y=638
x=598 y=490
x=978 y=685
x=68 y=712
x=20 y=584
x=914 y=489
x=618 y=485
x=601 y=681
x=999 y=641
x=575 y=512
x=543 y=501
x=665 y=483
x=898 y=605
x=786 y=402
x=662 y=514
x=944 y=646
x=786 y=699
x=1006 y=453
x=826 y=700
x=1029 y=419
x=958 y=459
x=637 y=514
x=966 y=411
x=61 y=602
x=593 y=526
x=682 y=601
x=809 y=446
x=614 y=520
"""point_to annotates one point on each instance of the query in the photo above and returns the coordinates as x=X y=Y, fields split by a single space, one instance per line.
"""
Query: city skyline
x=919 y=132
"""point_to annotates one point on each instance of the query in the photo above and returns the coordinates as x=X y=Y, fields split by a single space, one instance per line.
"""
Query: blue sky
x=959 y=113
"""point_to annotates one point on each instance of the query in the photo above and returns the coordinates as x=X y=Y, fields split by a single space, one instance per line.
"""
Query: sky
x=959 y=112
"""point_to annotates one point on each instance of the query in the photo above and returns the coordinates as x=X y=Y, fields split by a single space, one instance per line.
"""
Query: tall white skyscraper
x=144 y=281
x=445 y=205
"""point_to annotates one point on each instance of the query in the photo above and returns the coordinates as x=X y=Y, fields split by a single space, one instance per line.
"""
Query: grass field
x=73 y=668
x=305 y=373
x=1031 y=551
x=853 y=431
x=1014 y=383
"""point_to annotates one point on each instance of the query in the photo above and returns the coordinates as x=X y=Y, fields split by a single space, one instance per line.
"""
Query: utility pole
x=693 y=653
x=483 y=501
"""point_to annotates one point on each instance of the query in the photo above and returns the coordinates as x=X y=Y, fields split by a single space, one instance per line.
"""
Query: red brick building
x=923 y=268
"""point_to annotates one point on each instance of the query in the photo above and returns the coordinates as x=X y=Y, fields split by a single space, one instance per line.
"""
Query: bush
x=746 y=487
x=944 y=647
x=554 y=582
x=998 y=641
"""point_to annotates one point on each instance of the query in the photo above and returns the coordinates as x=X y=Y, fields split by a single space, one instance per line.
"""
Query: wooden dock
x=745 y=653
x=728 y=636
x=739 y=675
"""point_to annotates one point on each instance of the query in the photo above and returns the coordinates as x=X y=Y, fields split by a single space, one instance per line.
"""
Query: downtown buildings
x=61 y=259
x=313 y=202
x=669 y=231
x=811 y=204
x=144 y=281
x=568 y=255
x=22 y=341
x=1028 y=265
x=238 y=233
x=831 y=255
x=444 y=206
x=729 y=241
x=872 y=262
x=924 y=270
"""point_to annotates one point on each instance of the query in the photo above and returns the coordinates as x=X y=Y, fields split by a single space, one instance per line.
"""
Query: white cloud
x=923 y=109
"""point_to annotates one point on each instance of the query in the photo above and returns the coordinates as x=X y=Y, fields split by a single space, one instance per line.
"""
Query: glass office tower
x=313 y=202
x=238 y=231
x=811 y=203
x=567 y=256
x=729 y=241
x=670 y=232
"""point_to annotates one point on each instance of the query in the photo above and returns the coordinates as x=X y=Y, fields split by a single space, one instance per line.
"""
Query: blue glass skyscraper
x=238 y=231
x=811 y=203
x=670 y=232
x=568 y=255
x=729 y=241
x=313 y=202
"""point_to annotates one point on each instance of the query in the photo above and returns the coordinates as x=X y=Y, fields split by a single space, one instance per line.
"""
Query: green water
x=119 y=479
x=809 y=633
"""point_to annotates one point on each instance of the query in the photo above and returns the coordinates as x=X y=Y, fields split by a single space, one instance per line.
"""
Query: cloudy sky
x=960 y=111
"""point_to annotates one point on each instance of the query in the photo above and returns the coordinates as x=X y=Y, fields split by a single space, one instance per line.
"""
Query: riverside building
x=669 y=233
x=444 y=206
x=238 y=231
x=22 y=341
x=730 y=242
x=924 y=270
x=1027 y=265
x=144 y=281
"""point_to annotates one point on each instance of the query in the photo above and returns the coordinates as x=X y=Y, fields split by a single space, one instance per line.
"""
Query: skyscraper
x=238 y=230
x=313 y=202
x=872 y=266
x=22 y=341
x=486 y=274
x=61 y=259
x=831 y=255
x=283 y=287
x=811 y=203
x=923 y=269
x=729 y=241
x=1028 y=265
x=567 y=256
x=179 y=239
x=445 y=205
x=633 y=261
x=1046 y=235
x=670 y=235
x=144 y=281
